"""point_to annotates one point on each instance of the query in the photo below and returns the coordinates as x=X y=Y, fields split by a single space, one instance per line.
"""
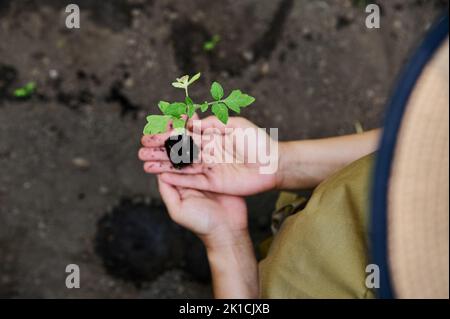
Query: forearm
x=305 y=164
x=234 y=268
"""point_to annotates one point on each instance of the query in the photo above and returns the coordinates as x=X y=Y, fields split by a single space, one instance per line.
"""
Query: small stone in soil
x=81 y=163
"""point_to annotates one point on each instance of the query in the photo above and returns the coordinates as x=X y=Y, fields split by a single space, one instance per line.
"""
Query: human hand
x=219 y=220
x=240 y=175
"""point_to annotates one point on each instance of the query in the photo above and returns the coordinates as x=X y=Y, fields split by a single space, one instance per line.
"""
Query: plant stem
x=187 y=116
x=220 y=101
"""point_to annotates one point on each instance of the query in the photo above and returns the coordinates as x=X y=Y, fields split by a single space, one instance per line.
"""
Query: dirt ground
x=71 y=187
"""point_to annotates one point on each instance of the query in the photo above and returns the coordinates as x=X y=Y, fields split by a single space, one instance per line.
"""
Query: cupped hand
x=238 y=175
x=216 y=219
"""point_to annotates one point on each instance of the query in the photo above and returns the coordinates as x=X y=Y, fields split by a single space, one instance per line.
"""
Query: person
x=382 y=207
x=207 y=198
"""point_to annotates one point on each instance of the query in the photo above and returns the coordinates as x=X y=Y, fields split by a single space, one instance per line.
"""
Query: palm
x=204 y=213
x=232 y=179
x=227 y=166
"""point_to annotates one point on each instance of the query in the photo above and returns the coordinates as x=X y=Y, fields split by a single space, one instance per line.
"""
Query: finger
x=191 y=124
x=189 y=193
x=192 y=119
x=170 y=196
x=153 y=154
x=198 y=181
x=167 y=167
x=209 y=123
x=155 y=140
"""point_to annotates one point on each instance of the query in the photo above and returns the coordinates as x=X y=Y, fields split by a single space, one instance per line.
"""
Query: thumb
x=211 y=122
x=170 y=196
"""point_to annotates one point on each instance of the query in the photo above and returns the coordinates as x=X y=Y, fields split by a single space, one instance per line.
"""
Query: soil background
x=68 y=154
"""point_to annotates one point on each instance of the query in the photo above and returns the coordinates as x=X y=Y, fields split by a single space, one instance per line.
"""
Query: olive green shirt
x=322 y=250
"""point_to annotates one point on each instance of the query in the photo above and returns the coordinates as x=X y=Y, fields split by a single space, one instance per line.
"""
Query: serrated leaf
x=189 y=101
x=191 y=110
x=176 y=109
x=204 y=107
x=178 y=123
x=217 y=91
x=237 y=100
x=147 y=129
x=156 y=124
x=195 y=78
x=232 y=101
x=220 y=110
x=178 y=85
x=163 y=105
x=190 y=107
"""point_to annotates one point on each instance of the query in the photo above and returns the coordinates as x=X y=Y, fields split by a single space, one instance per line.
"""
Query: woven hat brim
x=418 y=195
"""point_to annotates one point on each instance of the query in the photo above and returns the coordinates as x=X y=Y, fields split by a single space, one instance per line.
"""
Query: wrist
x=224 y=239
x=234 y=267
x=282 y=158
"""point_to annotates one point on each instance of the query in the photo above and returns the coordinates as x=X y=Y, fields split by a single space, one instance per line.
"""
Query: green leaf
x=189 y=101
x=178 y=123
x=195 y=78
x=217 y=91
x=20 y=92
x=204 y=107
x=178 y=85
x=26 y=90
x=211 y=44
x=234 y=108
x=191 y=110
x=163 y=105
x=30 y=86
x=220 y=110
x=184 y=79
x=237 y=100
x=156 y=124
x=190 y=106
x=175 y=110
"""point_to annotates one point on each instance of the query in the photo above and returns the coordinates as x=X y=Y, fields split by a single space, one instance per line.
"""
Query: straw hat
x=410 y=209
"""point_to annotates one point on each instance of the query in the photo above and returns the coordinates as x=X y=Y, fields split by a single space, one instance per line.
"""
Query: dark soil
x=8 y=75
x=68 y=154
x=138 y=242
x=181 y=150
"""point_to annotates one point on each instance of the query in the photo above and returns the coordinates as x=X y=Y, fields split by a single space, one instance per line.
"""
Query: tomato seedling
x=211 y=44
x=178 y=113
x=25 y=91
